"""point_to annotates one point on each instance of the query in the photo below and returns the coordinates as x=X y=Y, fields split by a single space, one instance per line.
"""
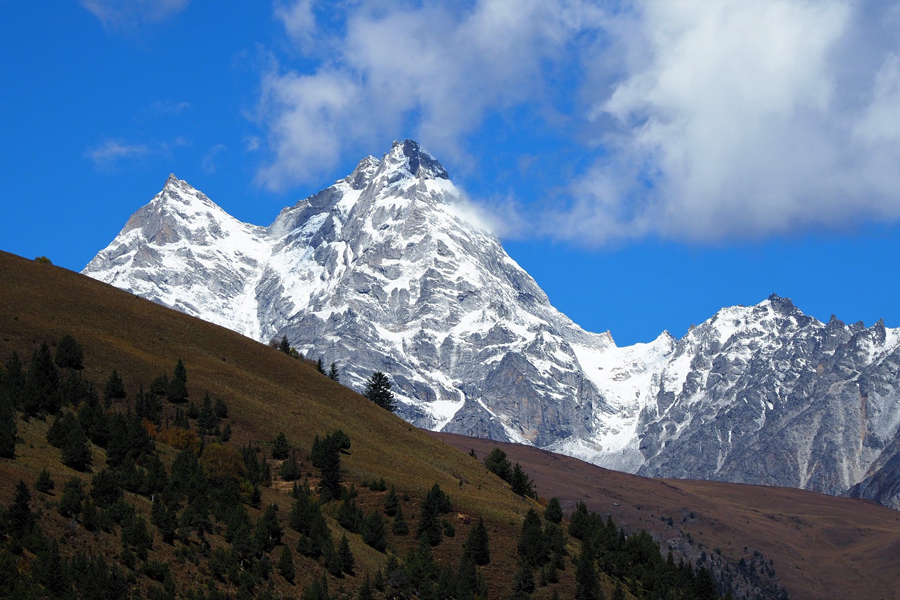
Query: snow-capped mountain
x=385 y=271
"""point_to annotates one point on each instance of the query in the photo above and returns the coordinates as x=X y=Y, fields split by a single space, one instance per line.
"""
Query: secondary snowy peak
x=380 y=272
x=183 y=251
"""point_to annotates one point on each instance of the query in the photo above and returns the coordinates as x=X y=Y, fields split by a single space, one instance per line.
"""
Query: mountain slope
x=822 y=547
x=385 y=271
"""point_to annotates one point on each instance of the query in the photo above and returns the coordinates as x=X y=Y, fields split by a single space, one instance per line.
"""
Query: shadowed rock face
x=383 y=271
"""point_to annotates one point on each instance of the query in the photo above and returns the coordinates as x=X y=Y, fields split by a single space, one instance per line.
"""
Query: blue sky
x=647 y=162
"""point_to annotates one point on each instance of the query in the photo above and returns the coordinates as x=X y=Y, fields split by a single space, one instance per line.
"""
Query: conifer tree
x=69 y=354
x=477 y=544
x=221 y=409
x=435 y=504
x=391 y=502
x=114 y=388
x=286 y=565
x=177 y=386
x=76 y=451
x=268 y=529
x=523 y=582
x=497 y=463
x=333 y=373
x=553 y=512
x=285 y=346
x=373 y=531
x=280 y=447
x=400 y=526
x=41 y=390
x=20 y=519
x=44 y=483
x=207 y=420
x=378 y=390
x=520 y=482
x=348 y=563
x=14 y=381
x=72 y=497
x=587 y=586
x=320 y=367
x=532 y=544
x=8 y=428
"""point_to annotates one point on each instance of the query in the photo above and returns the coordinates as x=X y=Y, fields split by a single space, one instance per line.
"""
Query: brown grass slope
x=266 y=392
x=822 y=546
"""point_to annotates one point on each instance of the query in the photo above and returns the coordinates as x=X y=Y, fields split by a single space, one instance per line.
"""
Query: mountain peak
x=409 y=156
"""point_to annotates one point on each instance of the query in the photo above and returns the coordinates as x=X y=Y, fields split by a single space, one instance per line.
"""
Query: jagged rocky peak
x=408 y=158
x=363 y=173
x=379 y=272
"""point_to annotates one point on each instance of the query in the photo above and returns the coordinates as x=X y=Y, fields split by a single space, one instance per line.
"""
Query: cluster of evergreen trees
x=497 y=463
x=210 y=484
x=635 y=558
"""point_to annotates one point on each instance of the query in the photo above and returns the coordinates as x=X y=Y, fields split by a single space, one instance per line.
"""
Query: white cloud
x=111 y=151
x=430 y=71
x=737 y=120
x=127 y=13
x=703 y=121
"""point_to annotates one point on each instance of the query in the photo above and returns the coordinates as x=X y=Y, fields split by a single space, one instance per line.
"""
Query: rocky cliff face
x=384 y=271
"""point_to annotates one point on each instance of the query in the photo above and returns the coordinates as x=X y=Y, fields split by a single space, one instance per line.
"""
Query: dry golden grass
x=822 y=546
x=266 y=392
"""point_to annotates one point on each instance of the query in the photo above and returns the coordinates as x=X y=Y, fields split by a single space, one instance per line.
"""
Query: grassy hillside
x=266 y=392
x=819 y=546
x=816 y=553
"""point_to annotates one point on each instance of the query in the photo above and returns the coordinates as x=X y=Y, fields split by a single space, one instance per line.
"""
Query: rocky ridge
x=384 y=270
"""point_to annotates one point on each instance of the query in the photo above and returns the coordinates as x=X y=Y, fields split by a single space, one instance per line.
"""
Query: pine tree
x=477 y=543
x=333 y=373
x=177 y=387
x=76 y=450
x=207 y=420
x=286 y=565
x=8 y=428
x=523 y=582
x=391 y=502
x=378 y=390
x=436 y=503
x=20 y=519
x=497 y=463
x=348 y=563
x=373 y=531
x=72 y=497
x=280 y=447
x=41 y=391
x=365 y=590
x=285 y=346
x=289 y=469
x=44 y=483
x=400 y=526
x=114 y=388
x=69 y=354
x=320 y=367
x=268 y=529
x=587 y=585
x=520 y=482
x=221 y=409
x=14 y=381
x=553 y=512
x=532 y=546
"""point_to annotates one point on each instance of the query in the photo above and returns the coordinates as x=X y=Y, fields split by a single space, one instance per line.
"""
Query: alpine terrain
x=385 y=271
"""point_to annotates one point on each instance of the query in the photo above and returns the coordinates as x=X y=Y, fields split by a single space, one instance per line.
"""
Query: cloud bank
x=702 y=121
x=118 y=14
